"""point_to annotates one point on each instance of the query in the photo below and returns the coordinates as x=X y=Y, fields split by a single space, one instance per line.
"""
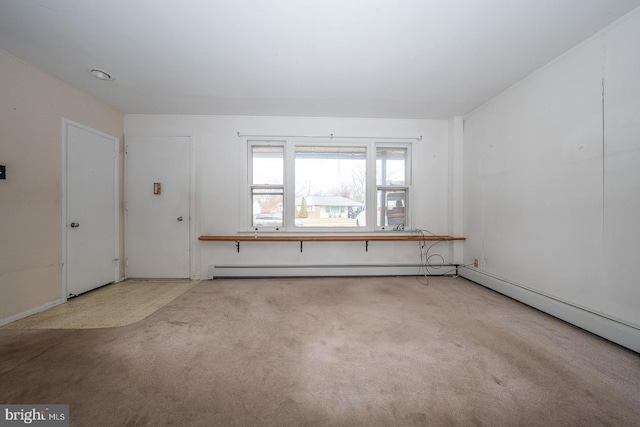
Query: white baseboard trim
x=328 y=270
x=35 y=310
x=596 y=323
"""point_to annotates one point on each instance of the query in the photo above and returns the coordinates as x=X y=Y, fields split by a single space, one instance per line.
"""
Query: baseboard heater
x=218 y=271
x=620 y=333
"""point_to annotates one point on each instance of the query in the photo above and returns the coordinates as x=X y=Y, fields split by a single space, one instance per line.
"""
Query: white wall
x=551 y=205
x=621 y=290
x=31 y=111
x=220 y=186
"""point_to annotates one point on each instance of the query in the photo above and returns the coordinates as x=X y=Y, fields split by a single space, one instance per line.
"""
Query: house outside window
x=331 y=178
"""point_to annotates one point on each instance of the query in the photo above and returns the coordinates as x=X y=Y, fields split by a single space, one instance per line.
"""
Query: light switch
x=157 y=188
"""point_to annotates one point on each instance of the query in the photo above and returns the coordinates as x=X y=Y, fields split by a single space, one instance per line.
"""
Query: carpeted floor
x=328 y=351
x=117 y=304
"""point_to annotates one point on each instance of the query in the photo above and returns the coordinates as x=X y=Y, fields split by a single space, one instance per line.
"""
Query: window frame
x=390 y=188
x=371 y=187
x=265 y=186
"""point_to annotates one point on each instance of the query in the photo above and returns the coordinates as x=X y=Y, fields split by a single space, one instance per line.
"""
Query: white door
x=91 y=217
x=157 y=205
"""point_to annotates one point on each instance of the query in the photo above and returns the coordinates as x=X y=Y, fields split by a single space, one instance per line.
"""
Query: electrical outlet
x=475 y=262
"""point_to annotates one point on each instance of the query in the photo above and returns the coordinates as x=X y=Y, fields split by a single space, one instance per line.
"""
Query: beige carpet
x=328 y=352
x=118 y=304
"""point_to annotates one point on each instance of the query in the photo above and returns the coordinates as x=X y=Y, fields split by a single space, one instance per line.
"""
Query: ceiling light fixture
x=99 y=74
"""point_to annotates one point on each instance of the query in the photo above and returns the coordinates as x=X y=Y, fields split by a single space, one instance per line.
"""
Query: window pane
x=267 y=167
x=330 y=185
x=390 y=166
x=267 y=207
x=391 y=204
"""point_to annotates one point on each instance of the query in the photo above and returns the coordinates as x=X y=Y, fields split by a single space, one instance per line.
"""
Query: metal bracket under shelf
x=366 y=246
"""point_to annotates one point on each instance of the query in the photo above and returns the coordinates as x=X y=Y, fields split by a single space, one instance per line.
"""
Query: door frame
x=116 y=172
x=194 y=272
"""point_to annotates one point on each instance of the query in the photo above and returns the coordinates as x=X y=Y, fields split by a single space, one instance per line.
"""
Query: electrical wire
x=425 y=258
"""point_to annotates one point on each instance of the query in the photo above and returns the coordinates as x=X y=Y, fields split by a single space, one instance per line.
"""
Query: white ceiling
x=339 y=58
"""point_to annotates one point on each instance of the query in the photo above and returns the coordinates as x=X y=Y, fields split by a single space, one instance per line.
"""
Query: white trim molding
x=613 y=330
x=27 y=313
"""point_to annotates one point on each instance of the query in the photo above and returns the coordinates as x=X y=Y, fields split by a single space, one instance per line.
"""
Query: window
x=297 y=185
x=267 y=186
x=391 y=186
x=329 y=183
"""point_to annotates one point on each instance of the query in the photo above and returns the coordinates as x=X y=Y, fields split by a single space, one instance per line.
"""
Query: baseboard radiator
x=613 y=330
x=219 y=271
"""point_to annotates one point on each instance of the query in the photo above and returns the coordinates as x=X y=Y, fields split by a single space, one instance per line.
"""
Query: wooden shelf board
x=326 y=238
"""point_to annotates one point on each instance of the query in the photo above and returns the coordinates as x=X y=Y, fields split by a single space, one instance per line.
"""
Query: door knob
x=179 y=218
x=75 y=225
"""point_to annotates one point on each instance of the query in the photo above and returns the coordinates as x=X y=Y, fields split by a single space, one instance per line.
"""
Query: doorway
x=90 y=209
x=157 y=207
